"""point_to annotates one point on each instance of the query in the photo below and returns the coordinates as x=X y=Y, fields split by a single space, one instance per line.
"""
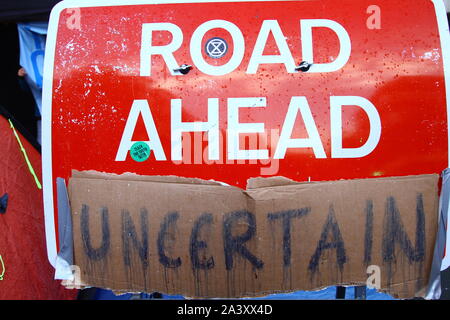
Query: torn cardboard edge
x=129 y=176
x=164 y=211
x=252 y=183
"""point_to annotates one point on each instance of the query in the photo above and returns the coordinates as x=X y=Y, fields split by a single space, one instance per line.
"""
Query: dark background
x=16 y=99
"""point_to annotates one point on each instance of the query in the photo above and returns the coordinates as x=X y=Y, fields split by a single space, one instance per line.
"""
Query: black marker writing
x=368 y=235
x=129 y=234
x=235 y=244
x=286 y=217
x=394 y=232
x=98 y=253
x=166 y=261
x=331 y=227
x=196 y=245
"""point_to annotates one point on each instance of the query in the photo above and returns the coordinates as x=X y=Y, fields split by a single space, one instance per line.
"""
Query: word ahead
x=298 y=106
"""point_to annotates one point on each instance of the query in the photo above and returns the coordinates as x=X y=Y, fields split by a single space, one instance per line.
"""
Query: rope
x=30 y=167
x=3 y=268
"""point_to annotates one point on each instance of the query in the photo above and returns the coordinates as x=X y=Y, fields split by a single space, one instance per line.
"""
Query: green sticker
x=140 y=151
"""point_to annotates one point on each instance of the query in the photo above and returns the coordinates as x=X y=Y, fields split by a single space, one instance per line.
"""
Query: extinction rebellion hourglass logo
x=216 y=48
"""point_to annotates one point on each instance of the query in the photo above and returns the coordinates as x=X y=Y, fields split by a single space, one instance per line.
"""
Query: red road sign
x=369 y=99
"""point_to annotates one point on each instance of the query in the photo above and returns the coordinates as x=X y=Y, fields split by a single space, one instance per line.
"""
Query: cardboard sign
x=309 y=90
x=203 y=239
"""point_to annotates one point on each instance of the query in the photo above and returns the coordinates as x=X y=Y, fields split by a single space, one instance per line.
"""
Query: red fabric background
x=28 y=274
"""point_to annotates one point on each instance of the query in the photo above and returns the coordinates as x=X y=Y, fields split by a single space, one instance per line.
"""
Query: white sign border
x=47 y=174
x=444 y=36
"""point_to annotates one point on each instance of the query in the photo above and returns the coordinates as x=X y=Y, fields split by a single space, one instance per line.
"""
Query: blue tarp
x=32 y=37
x=325 y=294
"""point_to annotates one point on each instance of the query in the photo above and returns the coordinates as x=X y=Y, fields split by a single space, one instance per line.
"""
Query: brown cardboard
x=202 y=239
